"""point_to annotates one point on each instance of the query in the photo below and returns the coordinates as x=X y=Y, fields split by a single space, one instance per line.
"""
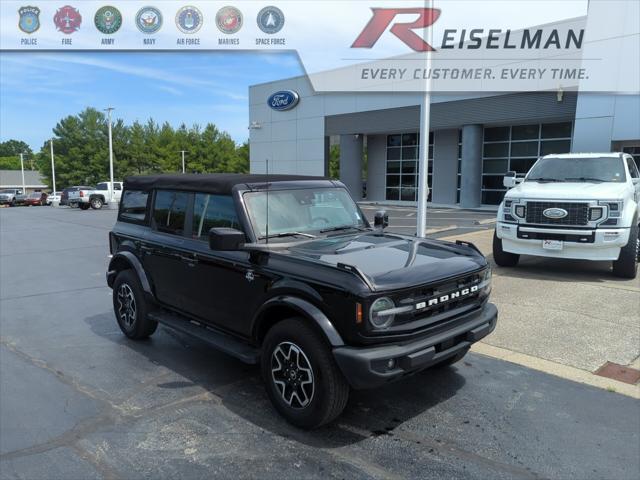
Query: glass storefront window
x=402 y=166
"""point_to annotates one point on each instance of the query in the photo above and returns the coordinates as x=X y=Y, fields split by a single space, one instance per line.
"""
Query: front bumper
x=603 y=244
x=367 y=367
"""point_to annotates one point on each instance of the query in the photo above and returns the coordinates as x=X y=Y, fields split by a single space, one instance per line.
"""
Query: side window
x=117 y=186
x=211 y=211
x=133 y=206
x=169 y=211
x=633 y=169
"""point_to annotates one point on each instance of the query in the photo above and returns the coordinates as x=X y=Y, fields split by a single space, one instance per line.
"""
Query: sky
x=39 y=89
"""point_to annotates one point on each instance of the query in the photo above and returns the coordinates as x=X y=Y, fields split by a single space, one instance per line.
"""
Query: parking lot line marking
x=557 y=369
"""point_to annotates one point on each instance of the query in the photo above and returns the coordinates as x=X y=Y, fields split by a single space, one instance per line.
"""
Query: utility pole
x=423 y=161
x=53 y=168
x=24 y=190
x=183 y=152
x=108 y=110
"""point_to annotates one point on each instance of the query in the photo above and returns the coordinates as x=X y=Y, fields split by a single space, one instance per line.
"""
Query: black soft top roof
x=217 y=183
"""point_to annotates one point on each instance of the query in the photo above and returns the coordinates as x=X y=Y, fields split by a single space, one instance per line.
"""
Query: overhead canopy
x=217 y=183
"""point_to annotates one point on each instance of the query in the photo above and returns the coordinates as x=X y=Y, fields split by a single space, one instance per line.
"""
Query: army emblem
x=229 y=20
x=189 y=19
x=67 y=19
x=149 y=20
x=29 y=19
x=270 y=20
x=108 y=20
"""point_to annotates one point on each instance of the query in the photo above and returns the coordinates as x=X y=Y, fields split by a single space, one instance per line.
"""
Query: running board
x=221 y=341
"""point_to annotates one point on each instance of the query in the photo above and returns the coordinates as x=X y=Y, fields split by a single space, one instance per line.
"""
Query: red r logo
x=382 y=18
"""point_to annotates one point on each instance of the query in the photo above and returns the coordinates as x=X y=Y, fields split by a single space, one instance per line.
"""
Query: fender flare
x=135 y=264
x=306 y=309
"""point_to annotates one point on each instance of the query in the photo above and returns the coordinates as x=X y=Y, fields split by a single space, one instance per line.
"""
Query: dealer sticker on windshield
x=552 y=244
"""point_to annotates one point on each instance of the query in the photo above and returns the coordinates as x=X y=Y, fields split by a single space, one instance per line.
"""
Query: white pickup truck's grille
x=578 y=213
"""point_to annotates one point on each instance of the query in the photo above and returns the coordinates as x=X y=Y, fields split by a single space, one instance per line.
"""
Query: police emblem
x=108 y=20
x=149 y=20
x=229 y=20
x=67 y=19
x=270 y=20
x=29 y=19
x=189 y=19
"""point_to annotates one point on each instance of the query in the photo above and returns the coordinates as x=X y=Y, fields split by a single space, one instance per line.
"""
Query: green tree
x=12 y=148
x=10 y=163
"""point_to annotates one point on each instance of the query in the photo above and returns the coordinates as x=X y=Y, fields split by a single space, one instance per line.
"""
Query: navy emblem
x=270 y=20
x=229 y=20
x=67 y=19
x=149 y=20
x=29 y=19
x=189 y=19
x=283 y=100
x=108 y=20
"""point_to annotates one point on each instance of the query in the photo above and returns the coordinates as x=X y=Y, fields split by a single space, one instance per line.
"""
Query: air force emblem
x=29 y=19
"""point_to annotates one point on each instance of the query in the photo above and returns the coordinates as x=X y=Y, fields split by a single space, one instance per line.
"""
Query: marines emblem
x=270 y=20
x=229 y=20
x=67 y=19
x=29 y=19
x=108 y=20
x=149 y=20
x=189 y=19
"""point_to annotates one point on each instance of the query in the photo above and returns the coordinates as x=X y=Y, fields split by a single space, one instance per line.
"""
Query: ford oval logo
x=283 y=100
x=555 y=213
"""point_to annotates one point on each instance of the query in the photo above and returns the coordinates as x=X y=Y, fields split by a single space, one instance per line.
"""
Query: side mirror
x=225 y=239
x=509 y=180
x=381 y=220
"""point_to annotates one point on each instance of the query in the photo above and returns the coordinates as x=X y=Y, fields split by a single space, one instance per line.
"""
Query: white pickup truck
x=581 y=206
x=95 y=198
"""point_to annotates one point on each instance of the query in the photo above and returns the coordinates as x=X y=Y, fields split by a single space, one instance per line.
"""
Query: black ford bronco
x=287 y=272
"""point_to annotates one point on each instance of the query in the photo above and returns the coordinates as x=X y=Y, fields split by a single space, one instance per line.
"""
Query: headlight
x=520 y=211
x=614 y=208
x=378 y=315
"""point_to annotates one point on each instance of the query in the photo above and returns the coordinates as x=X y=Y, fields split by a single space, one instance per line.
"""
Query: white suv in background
x=581 y=206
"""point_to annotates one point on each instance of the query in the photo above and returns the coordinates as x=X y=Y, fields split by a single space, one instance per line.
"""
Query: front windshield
x=7 y=191
x=308 y=211
x=591 y=169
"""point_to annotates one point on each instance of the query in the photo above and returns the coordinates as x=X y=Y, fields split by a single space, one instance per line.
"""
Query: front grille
x=578 y=213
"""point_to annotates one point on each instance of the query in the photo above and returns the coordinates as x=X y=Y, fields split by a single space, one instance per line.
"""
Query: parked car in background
x=8 y=196
x=582 y=205
x=95 y=197
x=32 y=199
x=54 y=197
x=64 y=198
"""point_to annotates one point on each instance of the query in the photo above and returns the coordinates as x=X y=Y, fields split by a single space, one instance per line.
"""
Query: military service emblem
x=149 y=20
x=189 y=19
x=108 y=20
x=229 y=20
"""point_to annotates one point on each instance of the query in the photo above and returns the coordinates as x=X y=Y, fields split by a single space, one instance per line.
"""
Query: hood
x=568 y=191
x=392 y=261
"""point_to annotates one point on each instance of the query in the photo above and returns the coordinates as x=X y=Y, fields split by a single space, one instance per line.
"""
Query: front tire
x=96 y=203
x=627 y=264
x=502 y=258
x=301 y=376
x=131 y=307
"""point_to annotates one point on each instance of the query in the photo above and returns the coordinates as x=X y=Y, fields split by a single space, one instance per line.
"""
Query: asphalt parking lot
x=78 y=400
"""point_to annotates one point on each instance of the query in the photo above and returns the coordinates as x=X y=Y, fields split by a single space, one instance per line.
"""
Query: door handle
x=191 y=260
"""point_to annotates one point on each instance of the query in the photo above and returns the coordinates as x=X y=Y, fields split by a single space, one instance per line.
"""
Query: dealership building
x=474 y=140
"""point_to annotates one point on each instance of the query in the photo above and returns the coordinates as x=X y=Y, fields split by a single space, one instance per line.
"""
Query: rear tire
x=502 y=258
x=627 y=264
x=96 y=203
x=84 y=206
x=131 y=307
x=301 y=376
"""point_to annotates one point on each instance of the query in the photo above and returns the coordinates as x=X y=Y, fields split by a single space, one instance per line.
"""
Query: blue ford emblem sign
x=283 y=100
x=555 y=213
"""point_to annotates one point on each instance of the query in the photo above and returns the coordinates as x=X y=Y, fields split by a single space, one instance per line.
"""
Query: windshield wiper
x=543 y=179
x=289 y=234
x=342 y=227
x=585 y=179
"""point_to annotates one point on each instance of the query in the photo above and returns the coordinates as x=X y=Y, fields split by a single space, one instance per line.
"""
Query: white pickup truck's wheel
x=502 y=258
x=627 y=264
x=96 y=203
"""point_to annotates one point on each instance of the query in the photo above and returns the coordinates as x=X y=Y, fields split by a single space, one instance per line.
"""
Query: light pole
x=183 y=165
x=108 y=110
x=24 y=190
x=53 y=168
x=183 y=152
